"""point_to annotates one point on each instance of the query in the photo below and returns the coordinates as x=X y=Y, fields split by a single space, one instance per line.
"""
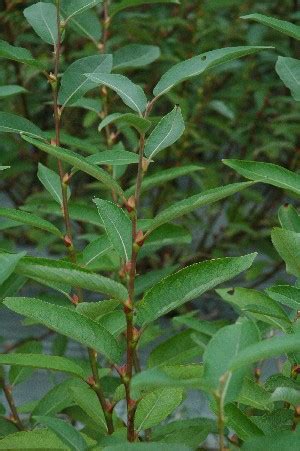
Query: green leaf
x=169 y=376
x=77 y=161
x=68 y=273
x=11 y=123
x=87 y=25
x=118 y=227
x=178 y=349
x=124 y=4
x=87 y=400
x=71 y=8
x=289 y=218
x=74 y=84
x=18 y=54
x=131 y=94
x=135 y=55
x=286 y=295
x=269 y=173
x=11 y=90
x=29 y=219
x=259 y=305
x=96 y=249
x=278 y=441
x=146 y=281
x=52 y=183
x=6 y=427
x=199 y=64
x=288 y=70
x=55 y=400
x=43 y=19
x=266 y=349
x=167 y=132
x=18 y=375
x=43 y=361
x=255 y=395
x=287 y=244
x=192 y=203
x=164 y=176
x=39 y=439
x=198 y=200
x=282 y=26
x=156 y=406
x=113 y=157
x=8 y=263
x=67 y=322
x=286 y=394
x=277 y=420
x=220 y=351
x=191 y=432
x=126 y=119
x=157 y=446
x=241 y=423
x=95 y=310
x=67 y=433
x=188 y=284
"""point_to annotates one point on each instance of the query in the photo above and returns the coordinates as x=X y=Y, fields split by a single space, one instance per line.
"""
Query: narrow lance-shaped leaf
x=77 y=161
x=131 y=94
x=167 y=132
x=156 y=406
x=88 y=25
x=70 y=8
x=74 y=84
x=52 y=183
x=127 y=119
x=198 y=200
x=118 y=227
x=258 y=304
x=269 y=173
x=18 y=54
x=266 y=349
x=124 y=4
x=287 y=244
x=87 y=400
x=188 y=284
x=145 y=446
x=277 y=440
x=11 y=90
x=199 y=64
x=68 y=322
x=68 y=273
x=282 y=26
x=288 y=70
x=8 y=263
x=43 y=19
x=67 y=433
x=135 y=55
x=286 y=295
x=43 y=361
x=164 y=176
x=29 y=219
x=114 y=157
x=11 y=123
x=289 y=218
x=222 y=348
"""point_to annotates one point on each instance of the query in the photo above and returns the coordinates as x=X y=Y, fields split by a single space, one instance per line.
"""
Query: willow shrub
x=103 y=295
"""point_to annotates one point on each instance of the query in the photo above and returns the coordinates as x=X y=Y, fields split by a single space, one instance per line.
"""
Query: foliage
x=128 y=128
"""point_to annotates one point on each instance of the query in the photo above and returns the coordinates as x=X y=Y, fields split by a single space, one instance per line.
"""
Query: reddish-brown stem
x=99 y=392
x=10 y=401
x=132 y=357
x=65 y=208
